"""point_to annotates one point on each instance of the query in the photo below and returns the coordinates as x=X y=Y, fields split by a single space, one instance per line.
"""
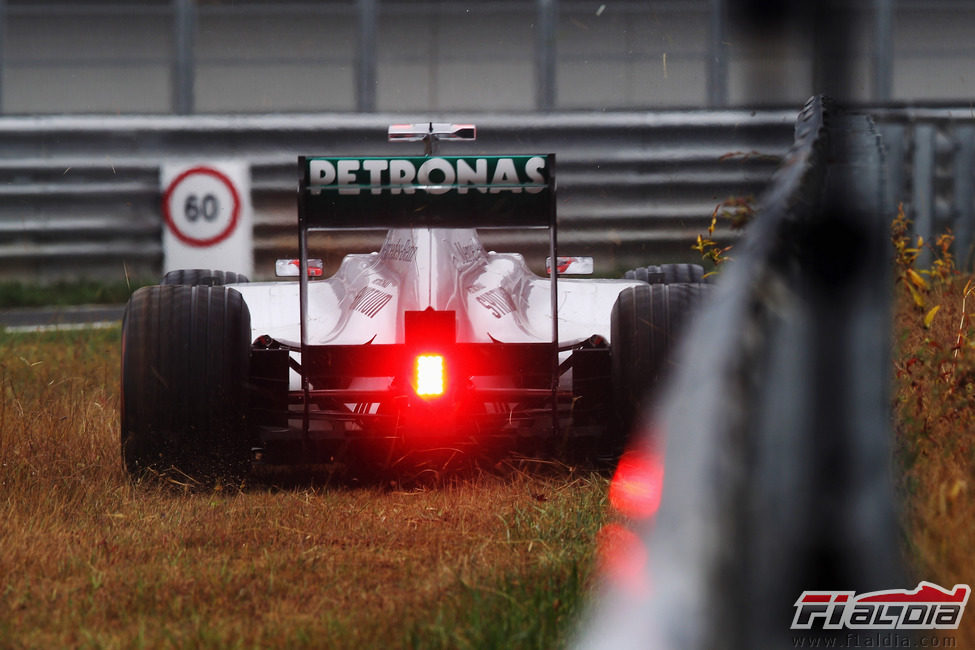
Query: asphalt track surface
x=43 y=319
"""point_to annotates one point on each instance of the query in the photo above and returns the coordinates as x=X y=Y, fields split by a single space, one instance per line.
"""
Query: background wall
x=255 y=56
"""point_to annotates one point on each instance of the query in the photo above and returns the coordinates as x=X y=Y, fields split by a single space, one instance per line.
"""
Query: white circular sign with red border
x=206 y=207
x=201 y=206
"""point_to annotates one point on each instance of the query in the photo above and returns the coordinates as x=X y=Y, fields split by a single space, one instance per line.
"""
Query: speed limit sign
x=206 y=209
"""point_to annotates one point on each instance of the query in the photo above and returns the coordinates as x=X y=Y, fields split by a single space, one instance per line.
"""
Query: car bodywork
x=430 y=344
x=523 y=355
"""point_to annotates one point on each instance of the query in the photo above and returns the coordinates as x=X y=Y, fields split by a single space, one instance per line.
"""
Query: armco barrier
x=80 y=195
x=776 y=427
x=931 y=170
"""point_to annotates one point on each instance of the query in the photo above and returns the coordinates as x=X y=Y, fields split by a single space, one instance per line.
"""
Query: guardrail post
x=893 y=138
x=964 y=169
x=923 y=181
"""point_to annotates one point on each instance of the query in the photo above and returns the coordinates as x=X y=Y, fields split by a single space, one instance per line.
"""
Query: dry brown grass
x=87 y=559
x=934 y=424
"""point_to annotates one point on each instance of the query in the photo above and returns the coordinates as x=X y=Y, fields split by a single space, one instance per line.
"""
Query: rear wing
x=516 y=191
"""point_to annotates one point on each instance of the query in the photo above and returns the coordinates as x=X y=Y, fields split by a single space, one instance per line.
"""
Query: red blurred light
x=623 y=559
x=637 y=484
x=429 y=375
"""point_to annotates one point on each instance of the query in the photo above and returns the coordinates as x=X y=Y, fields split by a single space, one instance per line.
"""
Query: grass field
x=497 y=559
x=59 y=294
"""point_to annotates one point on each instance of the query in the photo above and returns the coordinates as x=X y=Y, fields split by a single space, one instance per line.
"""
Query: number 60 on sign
x=201 y=206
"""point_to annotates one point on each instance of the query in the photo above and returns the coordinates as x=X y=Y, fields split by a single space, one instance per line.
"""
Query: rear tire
x=185 y=362
x=202 y=277
x=667 y=274
x=645 y=325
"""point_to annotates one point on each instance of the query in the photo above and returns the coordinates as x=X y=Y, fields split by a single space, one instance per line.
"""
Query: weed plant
x=738 y=212
x=934 y=414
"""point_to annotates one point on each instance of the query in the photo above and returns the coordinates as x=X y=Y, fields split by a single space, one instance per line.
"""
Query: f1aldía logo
x=929 y=607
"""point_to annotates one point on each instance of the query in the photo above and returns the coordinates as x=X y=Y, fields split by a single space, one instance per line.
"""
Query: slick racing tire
x=645 y=325
x=185 y=362
x=668 y=274
x=202 y=277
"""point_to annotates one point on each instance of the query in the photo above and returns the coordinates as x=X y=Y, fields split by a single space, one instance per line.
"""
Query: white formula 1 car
x=430 y=343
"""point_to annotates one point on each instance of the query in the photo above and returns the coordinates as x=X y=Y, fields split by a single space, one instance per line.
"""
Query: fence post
x=883 y=59
x=718 y=55
x=366 y=57
x=184 y=31
x=3 y=38
x=545 y=54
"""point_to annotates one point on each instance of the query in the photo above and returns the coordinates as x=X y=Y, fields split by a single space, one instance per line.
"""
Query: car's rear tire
x=185 y=359
x=202 y=277
x=667 y=274
x=646 y=323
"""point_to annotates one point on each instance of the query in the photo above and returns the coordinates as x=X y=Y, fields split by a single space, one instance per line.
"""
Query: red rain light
x=429 y=375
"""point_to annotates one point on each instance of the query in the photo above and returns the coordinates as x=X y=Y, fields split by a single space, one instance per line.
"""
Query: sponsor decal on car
x=500 y=191
x=468 y=253
x=401 y=250
x=497 y=302
x=438 y=175
x=370 y=301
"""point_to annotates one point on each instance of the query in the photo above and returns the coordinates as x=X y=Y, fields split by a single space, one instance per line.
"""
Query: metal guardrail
x=81 y=195
x=776 y=428
x=931 y=170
